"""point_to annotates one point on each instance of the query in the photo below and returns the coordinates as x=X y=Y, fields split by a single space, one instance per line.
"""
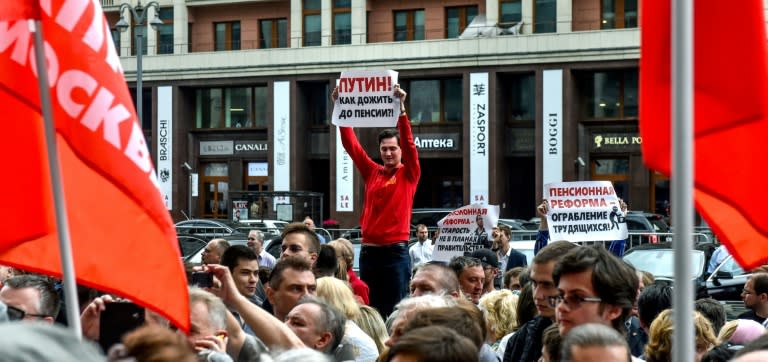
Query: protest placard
x=584 y=211
x=366 y=99
x=464 y=230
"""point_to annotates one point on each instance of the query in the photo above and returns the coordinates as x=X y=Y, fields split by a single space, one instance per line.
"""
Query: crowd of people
x=572 y=303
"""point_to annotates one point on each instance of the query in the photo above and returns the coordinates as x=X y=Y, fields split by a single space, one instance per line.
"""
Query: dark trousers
x=386 y=270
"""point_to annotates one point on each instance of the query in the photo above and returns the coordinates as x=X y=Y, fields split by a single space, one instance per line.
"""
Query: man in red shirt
x=386 y=217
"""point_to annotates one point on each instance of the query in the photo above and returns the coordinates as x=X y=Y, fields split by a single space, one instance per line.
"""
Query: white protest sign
x=464 y=230
x=366 y=99
x=584 y=211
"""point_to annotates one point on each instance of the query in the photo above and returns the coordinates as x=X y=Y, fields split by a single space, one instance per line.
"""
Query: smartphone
x=202 y=279
x=117 y=319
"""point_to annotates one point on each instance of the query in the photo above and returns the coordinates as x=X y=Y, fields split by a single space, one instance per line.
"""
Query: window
x=237 y=107
x=165 y=32
x=615 y=170
x=274 y=33
x=409 y=25
x=227 y=36
x=618 y=14
x=521 y=98
x=434 y=100
x=610 y=94
x=342 y=22
x=457 y=19
x=510 y=11
x=311 y=14
x=544 y=16
x=314 y=97
x=116 y=40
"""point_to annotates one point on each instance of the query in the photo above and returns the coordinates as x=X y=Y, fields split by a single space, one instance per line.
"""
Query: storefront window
x=521 y=98
x=610 y=94
x=237 y=107
x=434 y=100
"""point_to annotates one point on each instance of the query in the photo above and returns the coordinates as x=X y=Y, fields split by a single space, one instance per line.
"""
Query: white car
x=269 y=227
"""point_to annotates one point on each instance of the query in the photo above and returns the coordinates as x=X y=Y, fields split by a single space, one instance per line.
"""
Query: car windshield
x=731 y=266
x=660 y=262
x=659 y=225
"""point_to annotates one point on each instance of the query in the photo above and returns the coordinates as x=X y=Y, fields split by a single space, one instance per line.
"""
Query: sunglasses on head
x=16 y=314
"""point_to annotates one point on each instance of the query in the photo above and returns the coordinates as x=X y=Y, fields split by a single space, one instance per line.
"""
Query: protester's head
x=30 y=297
x=389 y=148
x=409 y=307
x=551 y=341
x=755 y=351
x=372 y=324
x=317 y=324
x=291 y=279
x=345 y=254
x=422 y=233
x=659 y=347
x=511 y=278
x=153 y=344
x=435 y=278
x=594 y=287
x=526 y=305
x=740 y=332
x=543 y=283
x=256 y=241
x=712 y=310
x=327 y=263
x=652 y=301
x=309 y=223
x=471 y=276
x=338 y=294
x=433 y=344
x=503 y=234
x=755 y=293
x=490 y=263
x=455 y=318
x=299 y=240
x=207 y=314
x=500 y=310
x=214 y=250
x=594 y=342
x=242 y=263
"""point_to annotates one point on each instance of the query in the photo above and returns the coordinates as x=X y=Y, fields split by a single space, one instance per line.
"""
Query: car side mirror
x=721 y=274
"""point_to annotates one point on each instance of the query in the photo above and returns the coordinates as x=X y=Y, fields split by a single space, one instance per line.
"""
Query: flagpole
x=67 y=268
x=682 y=176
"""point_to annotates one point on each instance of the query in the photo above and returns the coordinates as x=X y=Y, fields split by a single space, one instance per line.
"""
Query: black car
x=189 y=244
x=646 y=228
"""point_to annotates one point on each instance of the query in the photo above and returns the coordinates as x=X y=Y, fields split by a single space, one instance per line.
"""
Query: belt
x=399 y=244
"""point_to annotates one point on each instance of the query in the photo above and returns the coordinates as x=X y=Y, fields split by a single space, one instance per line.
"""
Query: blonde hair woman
x=339 y=295
x=345 y=252
x=373 y=325
x=659 y=347
x=500 y=310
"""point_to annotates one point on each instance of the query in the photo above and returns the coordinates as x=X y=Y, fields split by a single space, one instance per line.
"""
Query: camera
x=202 y=279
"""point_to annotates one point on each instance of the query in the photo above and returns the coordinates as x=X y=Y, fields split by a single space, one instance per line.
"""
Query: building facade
x=237 y=93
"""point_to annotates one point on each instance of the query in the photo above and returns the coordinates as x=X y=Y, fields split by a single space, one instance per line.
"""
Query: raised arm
x=410 y=154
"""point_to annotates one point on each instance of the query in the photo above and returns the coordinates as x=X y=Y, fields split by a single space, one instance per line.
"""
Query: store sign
x=165 y=144
x=552 y=107
x=215 y=148
x=281 y=146
x=616 y=141
x=479 y=138
x=258 y=169
x=437 y=141
x=345 y=175
x=251 y=147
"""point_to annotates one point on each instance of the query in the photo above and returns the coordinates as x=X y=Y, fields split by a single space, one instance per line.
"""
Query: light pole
x=139 y=13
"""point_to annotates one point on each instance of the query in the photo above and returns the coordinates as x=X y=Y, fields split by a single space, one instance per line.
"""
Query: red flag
x=123 y=239
x=730 y=80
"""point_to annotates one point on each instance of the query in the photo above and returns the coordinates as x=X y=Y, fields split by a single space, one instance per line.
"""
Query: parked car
x=196 y=258
x=208 y=228
x=648 y=226
x=268 y=227
x=189 y=244
x=519 y=224
x=724 y=284
x=429 y=216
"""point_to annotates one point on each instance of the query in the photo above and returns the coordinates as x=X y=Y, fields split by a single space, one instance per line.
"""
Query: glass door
x=215 y=191
x=615 y=170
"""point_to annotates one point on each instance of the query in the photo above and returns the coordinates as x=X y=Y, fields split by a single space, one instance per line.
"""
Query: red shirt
x=388 y=202
x=359 y=288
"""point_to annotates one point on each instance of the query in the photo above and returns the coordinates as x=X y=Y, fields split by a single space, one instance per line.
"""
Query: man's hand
x=89 y=319
x=623 y=206
x=542 y=210
x=228 y=291
x=399 y=93
x=335 y=94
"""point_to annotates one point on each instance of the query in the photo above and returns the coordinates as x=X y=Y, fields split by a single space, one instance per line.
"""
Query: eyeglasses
x=572 y=301
x=16 y=314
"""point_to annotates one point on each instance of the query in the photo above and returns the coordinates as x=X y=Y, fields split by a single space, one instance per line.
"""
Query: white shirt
x=420 y=253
